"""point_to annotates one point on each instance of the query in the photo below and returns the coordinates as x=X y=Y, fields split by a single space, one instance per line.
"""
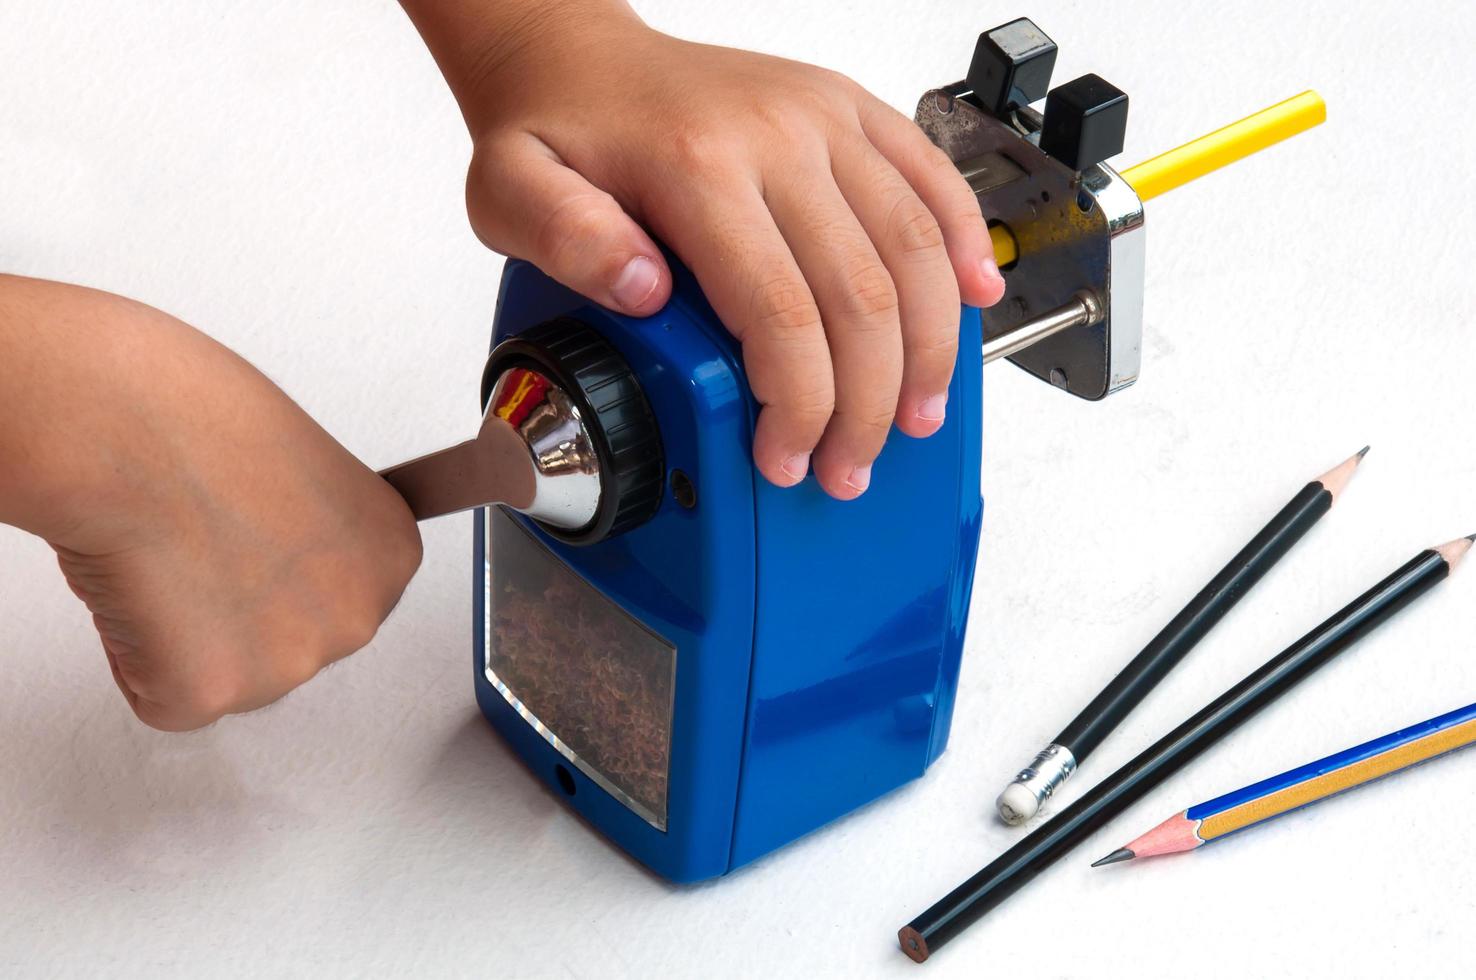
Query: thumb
x=524 y=202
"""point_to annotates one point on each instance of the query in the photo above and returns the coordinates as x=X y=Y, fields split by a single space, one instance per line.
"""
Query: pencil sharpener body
x=713 y=666
x=750 y=662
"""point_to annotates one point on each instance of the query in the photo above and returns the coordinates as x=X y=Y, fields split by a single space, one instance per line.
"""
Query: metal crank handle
x=532 y=453
x=1083 y=310
x=493 y=468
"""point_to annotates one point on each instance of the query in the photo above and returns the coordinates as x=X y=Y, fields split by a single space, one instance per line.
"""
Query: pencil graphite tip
x=1121 y=854
x=1363 y=452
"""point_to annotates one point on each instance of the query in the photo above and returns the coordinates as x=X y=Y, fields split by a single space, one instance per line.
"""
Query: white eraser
x=1017 y=804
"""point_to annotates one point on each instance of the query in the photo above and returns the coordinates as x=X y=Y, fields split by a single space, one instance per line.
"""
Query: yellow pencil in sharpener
x=1177 y=167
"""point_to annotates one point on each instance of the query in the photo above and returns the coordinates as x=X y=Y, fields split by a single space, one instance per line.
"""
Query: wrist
x=486 y=49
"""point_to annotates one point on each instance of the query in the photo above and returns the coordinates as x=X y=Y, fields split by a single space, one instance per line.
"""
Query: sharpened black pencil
x=1054 y=764
x=1055 y=838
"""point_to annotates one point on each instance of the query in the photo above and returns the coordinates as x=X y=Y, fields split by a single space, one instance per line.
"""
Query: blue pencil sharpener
x=703 y=665
x=749 y=662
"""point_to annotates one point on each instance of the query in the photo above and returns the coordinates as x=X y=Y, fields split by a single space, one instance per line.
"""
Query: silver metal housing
x=1075 y=232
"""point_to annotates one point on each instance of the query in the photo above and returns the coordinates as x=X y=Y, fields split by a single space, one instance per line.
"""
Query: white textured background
x=288 y=176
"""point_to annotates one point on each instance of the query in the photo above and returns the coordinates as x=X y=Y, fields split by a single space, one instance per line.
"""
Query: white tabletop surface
x=288 y=176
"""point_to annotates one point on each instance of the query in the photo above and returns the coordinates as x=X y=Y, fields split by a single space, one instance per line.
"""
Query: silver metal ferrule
x=1049 y=770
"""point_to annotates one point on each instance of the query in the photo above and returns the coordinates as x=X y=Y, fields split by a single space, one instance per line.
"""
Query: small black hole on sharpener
x=682 y=490
x=1045 y=197
x=1084 y=202
x=565 y=778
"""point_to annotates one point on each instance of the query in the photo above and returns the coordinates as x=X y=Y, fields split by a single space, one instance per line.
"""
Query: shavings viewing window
x=594 y=682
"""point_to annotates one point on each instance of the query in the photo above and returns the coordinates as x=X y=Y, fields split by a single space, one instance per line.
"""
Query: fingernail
x=796 y=466
x=859 y=479
x=994 y=288
x=934 y=409
x=635 y=284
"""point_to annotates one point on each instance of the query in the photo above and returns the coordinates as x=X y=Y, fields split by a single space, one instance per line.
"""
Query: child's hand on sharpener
x=832 y=238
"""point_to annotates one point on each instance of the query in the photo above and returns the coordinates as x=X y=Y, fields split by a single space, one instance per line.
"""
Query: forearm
x=67 y=362
x=471 y=40
x=114 y=412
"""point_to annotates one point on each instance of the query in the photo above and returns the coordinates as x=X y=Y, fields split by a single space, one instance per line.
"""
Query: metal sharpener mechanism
x=1075 y=226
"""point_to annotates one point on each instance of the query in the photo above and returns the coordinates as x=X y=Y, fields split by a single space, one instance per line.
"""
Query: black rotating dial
x=613 y=409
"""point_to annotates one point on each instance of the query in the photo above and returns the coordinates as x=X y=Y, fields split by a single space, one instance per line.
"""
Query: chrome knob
x=560 y=453
x=567 y=438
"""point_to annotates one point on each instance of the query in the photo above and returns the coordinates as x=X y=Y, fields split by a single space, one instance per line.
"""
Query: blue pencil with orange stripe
x=1296 y=788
